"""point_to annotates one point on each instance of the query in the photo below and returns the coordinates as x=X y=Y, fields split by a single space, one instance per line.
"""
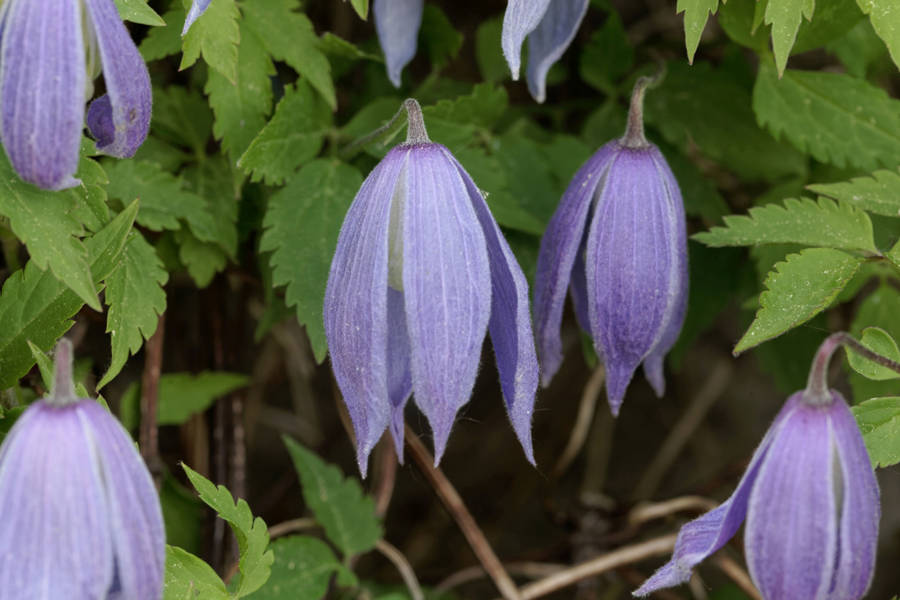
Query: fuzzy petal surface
x=510 y=322
x=704 y=535
x=42 y=83
x=630 y=266
x=120 y=119
x=134 y=514
x=446 y=285
x=356 y=305
x=56 y=540
x=198 y=7
x=791 y=536
x=549 y=41
x=399 y=376
x=520 y=19
x=397 y=24
x=558 y=252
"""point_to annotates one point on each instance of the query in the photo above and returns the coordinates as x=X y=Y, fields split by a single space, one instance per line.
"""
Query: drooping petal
x=120 y=119
x=397 y=23
x=559 y=246
x=510 y=322
x=42 y=83
x=520 y=19
x=198 y=7
x=399 y=376
x=447 y=287
x=578 y=290
x=356 y=305
x=706 y=534
x=134 y=514
x=791 y=535
x=860 y=509
x=56 y=540
x=630 y=267
x=549 y=41
x=678 y=285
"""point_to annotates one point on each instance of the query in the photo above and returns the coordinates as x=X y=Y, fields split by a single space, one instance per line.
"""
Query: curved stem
x=415 y=128
x=63 y=392
x=390 y=552
x=816 y=391
x=634 y=131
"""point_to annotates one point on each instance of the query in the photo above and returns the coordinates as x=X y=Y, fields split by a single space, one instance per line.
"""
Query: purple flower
x=48 y=54
x=810 y=500
x=550 y=26
x=198 y=7
x=618 y=242
x=420 y=272
x=397 y=23
x=81 y=516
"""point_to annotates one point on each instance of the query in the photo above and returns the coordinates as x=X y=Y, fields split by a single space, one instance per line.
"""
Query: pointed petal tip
x=653 y=371
x=198 y=7
x=618 y=377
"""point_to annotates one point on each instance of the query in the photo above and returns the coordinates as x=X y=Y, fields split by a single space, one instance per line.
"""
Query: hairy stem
x=817 y=385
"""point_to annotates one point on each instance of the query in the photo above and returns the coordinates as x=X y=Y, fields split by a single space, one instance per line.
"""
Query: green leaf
x=361 y=7
x=484 y=107
x=878 y=193
x=42 y=220
x=182 y=116
x=437 y=37
x=137 y=11
x=289 y=36
x=301 y=229
x=45 y=365
x=491 y=64
x=302 y=570
x=339 y=505
x=878 y=309
x=252 y=535
x=135 y=298
x=189 y=577
x=161 y=42
x=182 y=514
x=696 y=12
x=797 y=290
x=880 y=341
x=36 y=307
x=832 y=20
x=293 y=137
x=216 y=36
x=241 y=103
x=835 y=117
x=886 y=20
x=824 y=223
x=859 y=50
x=219 y=182
x=708 y=108
x=607 y=57
x=784 y=17
x=879 y=422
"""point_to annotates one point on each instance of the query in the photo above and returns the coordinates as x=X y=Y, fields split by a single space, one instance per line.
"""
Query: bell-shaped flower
x=82 y=518
x=198 y=7
x=810 y=500
x=421 y=271
x=550 y=26
x=618 y=242
x=397 y=24
x=48 y=55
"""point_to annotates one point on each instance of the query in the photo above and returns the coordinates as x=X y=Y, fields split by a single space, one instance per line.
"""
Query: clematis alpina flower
x=810 y=500
x=82 y=519
x=550 y=26
x=420 y=272
x=48 y=53
x=618 y=242
x=198 y=7
x=397 y=24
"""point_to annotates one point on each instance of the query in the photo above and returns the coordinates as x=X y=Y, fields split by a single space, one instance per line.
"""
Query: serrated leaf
x=834 y=117
x=180 y=395
x=438 y=38
x=877 y=309
x=696 y=13
x=784 y=17
x=135 y=298
x=219 y=182
x=878 y=193
x=35 y=306
x=797 y=290
x=291 y=138
x=339 y=505
x=182 y=116
x=137 y=11
x=361 y=7
x=189 y=577
x=302 y=570
x=289 y=36
x=488 y=53
x=832 y=20
x=251 y=533
x=607 y=57
x=824 y=223
x=45 y=365
x=885 y=19
x=879 y=422
x=215 y=35
x=42 y=220
x=486 y=105
x=880 y=341
x=201 y=259
x=301 y=229
x=161 y=42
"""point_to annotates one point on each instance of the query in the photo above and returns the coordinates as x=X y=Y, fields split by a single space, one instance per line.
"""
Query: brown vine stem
x=738 y=575
x=148 y=435
x=457 y=509
x=403 y=567
x=601 y=564
x=583 y=421
x=386 y=476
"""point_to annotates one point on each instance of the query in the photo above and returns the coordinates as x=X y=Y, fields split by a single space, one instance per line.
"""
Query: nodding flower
x=397 y=24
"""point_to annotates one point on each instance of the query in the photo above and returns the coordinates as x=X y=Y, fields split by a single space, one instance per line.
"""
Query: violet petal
x=548 y=42
x=399 y=375
x=397 y=24
x=520 y=19
x=198 y=7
